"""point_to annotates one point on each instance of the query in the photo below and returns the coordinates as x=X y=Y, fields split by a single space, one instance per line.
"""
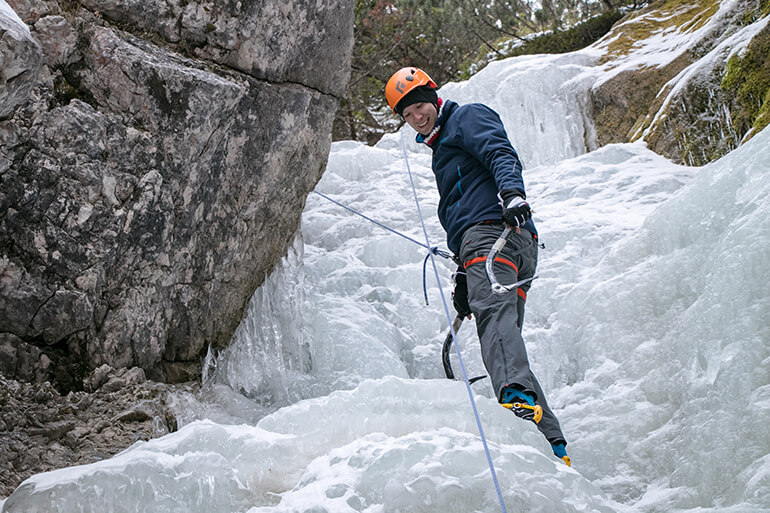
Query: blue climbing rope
x=432 y=250
x=454 y=335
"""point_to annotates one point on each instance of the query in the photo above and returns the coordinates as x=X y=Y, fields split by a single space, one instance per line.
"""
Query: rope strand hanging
x=454 y=335
x=434 y=250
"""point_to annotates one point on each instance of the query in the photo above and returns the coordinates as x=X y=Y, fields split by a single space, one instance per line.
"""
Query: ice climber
x=479 y=179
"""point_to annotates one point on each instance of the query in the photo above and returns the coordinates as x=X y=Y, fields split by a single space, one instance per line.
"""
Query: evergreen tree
x=450 y=39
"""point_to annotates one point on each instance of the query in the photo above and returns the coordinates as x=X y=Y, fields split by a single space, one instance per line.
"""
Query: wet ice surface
x=649 y=328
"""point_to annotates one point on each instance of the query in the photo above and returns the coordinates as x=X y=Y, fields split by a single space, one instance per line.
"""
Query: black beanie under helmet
x=422 y=94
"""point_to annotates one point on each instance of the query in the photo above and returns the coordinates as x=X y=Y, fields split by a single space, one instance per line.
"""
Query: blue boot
x=522 y=404
x=560 y=451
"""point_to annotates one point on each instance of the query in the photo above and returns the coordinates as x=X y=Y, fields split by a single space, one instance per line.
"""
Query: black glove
x=516 y=210
x=460 y=294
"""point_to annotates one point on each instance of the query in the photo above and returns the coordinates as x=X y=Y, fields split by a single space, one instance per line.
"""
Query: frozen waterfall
x=649 y=329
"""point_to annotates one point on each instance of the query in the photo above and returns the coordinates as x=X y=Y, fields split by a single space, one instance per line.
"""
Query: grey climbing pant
x=499 y=317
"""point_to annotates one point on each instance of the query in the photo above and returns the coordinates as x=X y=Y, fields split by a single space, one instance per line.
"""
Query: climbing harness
x=453 y=333
x=432 y=250
x=498 y=288
x=447 y=347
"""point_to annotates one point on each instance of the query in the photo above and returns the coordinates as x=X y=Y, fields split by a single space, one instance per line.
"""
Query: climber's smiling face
x=421 y=117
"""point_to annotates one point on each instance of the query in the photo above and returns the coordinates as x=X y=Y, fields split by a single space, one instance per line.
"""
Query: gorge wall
x=155 y=157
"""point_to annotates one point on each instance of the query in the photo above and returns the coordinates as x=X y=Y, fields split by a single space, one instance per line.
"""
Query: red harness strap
x=484 y=259
x=505 y=261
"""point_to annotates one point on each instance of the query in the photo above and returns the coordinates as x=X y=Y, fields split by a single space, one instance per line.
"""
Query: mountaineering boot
x=522 y=404
x=560 y=451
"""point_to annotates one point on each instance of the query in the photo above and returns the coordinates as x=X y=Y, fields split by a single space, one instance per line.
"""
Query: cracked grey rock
x=291 y=41
x=149 y=181
x=97 y=378
x=20 y=63
x=53 y=431
x=57 y=39
x=144 y=410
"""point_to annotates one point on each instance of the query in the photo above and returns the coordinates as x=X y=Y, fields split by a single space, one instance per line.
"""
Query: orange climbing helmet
x=402 y=82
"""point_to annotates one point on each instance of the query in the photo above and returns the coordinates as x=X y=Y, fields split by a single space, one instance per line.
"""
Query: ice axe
x=497 y=287
x=446 y=349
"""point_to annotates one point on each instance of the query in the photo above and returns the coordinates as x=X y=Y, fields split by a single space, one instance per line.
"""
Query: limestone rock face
x=680 y=106
x=148 y=184
x=20 y=62
x=288 y=41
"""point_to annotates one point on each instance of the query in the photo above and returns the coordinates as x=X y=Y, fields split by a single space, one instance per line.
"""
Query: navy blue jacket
x=473 y=160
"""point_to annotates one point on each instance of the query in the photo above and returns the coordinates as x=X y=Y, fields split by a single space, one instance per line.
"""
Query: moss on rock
x=621 y=105
x=637 y=26
x=624 y=106
x=709 y=115
x=747 y=85
x=763 y=117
